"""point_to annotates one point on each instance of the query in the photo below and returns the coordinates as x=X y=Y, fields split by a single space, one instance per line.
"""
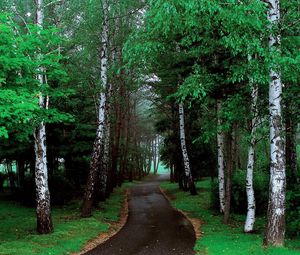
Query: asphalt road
x=153 y=226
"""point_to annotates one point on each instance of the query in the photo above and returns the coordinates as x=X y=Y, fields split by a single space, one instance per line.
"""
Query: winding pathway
x=153 y=226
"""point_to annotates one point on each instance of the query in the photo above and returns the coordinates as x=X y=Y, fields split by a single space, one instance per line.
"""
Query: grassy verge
x=219 y=238
x=17 y=227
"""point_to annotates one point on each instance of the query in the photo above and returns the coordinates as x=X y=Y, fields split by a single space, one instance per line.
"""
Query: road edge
x=113 y=229
x=196 y=223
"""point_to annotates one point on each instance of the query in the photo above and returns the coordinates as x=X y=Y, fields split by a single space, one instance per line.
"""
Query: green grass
x=17 y=227
x=219 y=238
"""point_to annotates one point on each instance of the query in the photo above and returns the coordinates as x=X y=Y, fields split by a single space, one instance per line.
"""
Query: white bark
x=106 y=146
x=104 y=124
x=250 y=219
x=41 y=170
x=99 y=142
x=221 y=161
x=98 y=149
x=276 y=208
x=186 y=161
x=40 y=134
x=103 y=73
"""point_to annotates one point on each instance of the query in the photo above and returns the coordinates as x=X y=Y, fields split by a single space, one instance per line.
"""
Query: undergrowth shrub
x=293 y=211
x=2 y=179
x=261 y=187
x=239 y=196
x=61 y=190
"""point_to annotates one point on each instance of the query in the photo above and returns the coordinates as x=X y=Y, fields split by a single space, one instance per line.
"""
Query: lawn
x=219 y=238
x=17 y=227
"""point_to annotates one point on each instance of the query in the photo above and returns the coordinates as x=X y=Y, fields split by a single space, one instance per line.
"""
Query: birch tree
x=105 y=176
x=250 y=219
x=43 y=210
x=276 y=206
x=186 y=161
x=96 y=165
x=221 y=160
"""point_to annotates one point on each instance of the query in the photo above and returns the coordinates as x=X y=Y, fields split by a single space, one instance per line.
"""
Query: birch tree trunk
x=96 y=166
x=250 y=219
x=104 y=161
x=276 y=207
x=221 y=161
x=185 y=156
x=43 y=209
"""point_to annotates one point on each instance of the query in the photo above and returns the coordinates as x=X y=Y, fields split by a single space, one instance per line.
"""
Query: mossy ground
x=18 y=235
x=219 y=238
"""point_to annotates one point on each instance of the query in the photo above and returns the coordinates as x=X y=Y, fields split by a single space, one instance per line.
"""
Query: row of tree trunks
x=10 y=174
x=133 y=151
x=275 y=231
x=16 y=180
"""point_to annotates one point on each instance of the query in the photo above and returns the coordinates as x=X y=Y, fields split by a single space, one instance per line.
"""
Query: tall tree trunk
x=157 y=155
x=250 y=219
x=10 y=174
x=149 y=162
x=107 y=142
x=290 y=148
x=43 y=210
x=127 y=140
x=185 y=157
x=21 y=172
x=96 y=166
x=154 y=154
x=123 y=148
x=105 y=185
x=171 y=173
x=221 y=160
x=116 y=145
x=276 y=207
x=229 y=171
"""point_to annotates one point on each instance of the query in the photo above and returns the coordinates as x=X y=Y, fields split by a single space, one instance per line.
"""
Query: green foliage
x=293 y=211
x=22 y=55
x=193 y=86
